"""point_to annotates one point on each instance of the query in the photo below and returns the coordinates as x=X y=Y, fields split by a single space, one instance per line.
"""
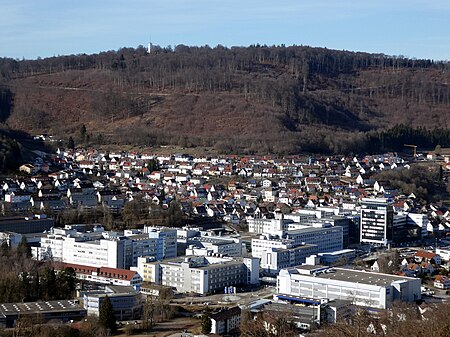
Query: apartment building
x=226 y=320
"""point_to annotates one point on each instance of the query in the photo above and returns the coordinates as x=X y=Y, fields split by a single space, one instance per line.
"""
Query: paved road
x=217 y=299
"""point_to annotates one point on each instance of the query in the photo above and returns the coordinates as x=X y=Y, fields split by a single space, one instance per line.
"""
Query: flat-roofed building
x=166 y=241
x=272 y=226
x=126 y=302
x=276 y=254
x=106 y=249
x=25 y=225
x=377 y=221
x=328 y=238
x=341 y=257
x=217 y=245
x=363 y=288
x=63 y=310
x=201 y=274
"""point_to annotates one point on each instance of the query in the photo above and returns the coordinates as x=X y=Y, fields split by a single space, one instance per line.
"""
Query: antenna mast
x=149 y=47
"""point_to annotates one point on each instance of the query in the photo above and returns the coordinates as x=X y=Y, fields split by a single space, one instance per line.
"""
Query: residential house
x=442 y=282
x=225 y=321
x=424 y=256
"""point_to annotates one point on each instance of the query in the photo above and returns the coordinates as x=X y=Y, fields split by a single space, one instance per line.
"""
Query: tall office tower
x=377 y=216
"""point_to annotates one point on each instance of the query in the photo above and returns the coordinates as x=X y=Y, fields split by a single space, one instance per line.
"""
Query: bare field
x=163 y=329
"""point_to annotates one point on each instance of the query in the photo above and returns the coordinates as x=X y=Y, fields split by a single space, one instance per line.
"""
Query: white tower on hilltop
x=149 y=46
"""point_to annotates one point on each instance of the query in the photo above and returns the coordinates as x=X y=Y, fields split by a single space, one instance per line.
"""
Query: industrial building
x=363 y=288
x=40 y=312
x=24 y=225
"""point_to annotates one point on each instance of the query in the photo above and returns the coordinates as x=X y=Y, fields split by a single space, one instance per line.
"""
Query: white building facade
x=201 y=274
x=328 y=238
x=363 y=288
x=106 y=249
x=377 y=217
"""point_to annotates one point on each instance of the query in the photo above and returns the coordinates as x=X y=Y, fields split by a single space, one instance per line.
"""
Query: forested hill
x=241 y=99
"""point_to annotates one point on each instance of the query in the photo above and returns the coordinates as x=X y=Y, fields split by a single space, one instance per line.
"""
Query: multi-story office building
x=268 y=242
x=363 y=288
x=325 y=236
x=341 y=221
x=217 y=245
x=275 y=259
x=107 y=249
x=418 y=220
x=166 y=241
x=334 y=220
x=295 y=246
x=126 y=302
x=272 y=226
x=200 y=274
x=190 y=239
x=377 y=217
x=112 y=253
x=408 y=228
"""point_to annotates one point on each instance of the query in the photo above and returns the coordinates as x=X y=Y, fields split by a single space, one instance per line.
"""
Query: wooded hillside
x=241 y=99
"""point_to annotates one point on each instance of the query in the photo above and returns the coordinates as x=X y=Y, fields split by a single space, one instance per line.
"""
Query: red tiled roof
x=116 y=273
x=425 y=254
x=81 y=269
x=441 y=278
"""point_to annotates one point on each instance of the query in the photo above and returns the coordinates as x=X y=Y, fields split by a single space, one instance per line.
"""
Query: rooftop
x=202 y=262
x=309 y=229
x=38 y=307
x=354 y=276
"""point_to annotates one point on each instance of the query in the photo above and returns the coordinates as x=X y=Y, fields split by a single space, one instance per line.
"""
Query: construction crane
x=414 y=148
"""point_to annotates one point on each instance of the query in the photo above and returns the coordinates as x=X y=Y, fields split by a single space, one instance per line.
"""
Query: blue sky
x=32 y=28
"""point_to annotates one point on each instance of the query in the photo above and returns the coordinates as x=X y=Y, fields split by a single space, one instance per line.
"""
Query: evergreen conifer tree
x=206 y=321
x=106 y=316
